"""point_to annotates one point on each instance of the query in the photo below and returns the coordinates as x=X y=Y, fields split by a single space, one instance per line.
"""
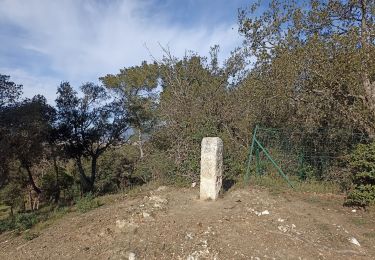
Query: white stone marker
x=211 y=168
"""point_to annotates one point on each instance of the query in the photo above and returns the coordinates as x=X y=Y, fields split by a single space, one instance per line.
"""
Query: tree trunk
x=31 y=200
x=140 y=143
x=57 y=184
x=368 y=86
x=31 y=179
x=85 y=182
x=93 y=169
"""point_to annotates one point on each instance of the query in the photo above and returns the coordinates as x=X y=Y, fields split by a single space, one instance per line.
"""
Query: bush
x=25 y=221
x=12 y=195
x=87 y=203
x=22 y=221
x=52 y=187
x=362 y=162
x=115 y=168
x=361 y=196
x=30 y=235
x=155 y=166
x=7 y=224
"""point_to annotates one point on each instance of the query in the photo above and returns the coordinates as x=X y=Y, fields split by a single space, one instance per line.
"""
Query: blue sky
x=45 y=42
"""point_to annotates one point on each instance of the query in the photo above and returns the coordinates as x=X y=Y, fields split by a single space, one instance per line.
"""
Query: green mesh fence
x=302 y=154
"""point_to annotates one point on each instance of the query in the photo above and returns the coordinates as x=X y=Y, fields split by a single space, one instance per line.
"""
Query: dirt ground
x=169 y=223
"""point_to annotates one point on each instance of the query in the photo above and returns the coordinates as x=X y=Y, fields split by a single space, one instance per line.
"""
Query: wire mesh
x=305 y=154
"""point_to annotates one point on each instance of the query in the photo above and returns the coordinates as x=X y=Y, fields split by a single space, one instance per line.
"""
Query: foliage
x=362 y=162
x=156 y=166
x=28 y=235
x=314 y=56
x=304 y=66
x=27 y=131
x=88 y=125
x=192 y=106
x=12 y=195
x=136 y=87
x=25 y=221
x=53 y=185
x=7 y=224
x=9 y=91
x=87 y=203
x=361 y=196
x=275 y=183
x=116 y=168
x=9 y=94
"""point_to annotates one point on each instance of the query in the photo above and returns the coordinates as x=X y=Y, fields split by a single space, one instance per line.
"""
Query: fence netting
x=316 y=153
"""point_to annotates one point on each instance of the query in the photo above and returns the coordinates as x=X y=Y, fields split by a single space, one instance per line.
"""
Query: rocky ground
x=170 y=223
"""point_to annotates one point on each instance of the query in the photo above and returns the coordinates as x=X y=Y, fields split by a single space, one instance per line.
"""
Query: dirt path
x=169 y=223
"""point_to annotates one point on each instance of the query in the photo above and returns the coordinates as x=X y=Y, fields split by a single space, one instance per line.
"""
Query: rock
x=282 y=228
x=354 y=241
x=204 y=243
x=126 y=226
x=354 y=210
x=158 y=199
x=131 y=256
x=265 y=212
x=188 y=236
x=147 y=216
x=157 y=205
x=120 y=224
x=161 y=188
x=192 y=257
x=211 y=168
x=280 y=220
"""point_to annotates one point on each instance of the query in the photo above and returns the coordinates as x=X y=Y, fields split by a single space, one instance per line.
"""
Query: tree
x=195 y=103
x=89 y=125
x=11 y=195
x=27 y=128
x=136 y=86
x=9 y=91
x=362 y=162
x=9 y=94
x=319 y=55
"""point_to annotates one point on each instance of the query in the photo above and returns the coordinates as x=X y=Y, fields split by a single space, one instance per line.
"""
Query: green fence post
x=257 y=159
x=247 y=175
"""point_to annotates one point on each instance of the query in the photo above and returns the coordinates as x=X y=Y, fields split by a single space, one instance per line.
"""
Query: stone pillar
x=211 y=168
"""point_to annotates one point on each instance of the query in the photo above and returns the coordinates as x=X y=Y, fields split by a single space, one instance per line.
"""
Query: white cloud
x=84 y=40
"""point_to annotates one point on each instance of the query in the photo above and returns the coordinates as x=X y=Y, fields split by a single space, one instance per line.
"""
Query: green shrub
x=87 y=203
x=20 y=221
x=28 y=235
x=25 y=221
x=307 y=173
x=7 y=224
x=52 y=186
x=155 y=166
x=362 y=162
x=361 y=196
x=12 y=195
x=116 y=168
